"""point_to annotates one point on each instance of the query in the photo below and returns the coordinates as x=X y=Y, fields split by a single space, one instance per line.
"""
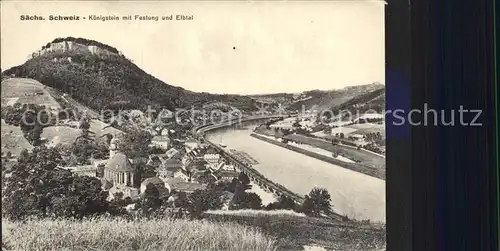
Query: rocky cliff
x=65 y=46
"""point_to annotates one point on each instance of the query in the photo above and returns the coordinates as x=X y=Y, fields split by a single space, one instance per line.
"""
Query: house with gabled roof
x=160 y=141
x=180 y=185
x=172 y=168
x=226 y=175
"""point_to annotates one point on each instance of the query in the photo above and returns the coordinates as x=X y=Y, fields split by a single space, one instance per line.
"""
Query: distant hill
x=100 y=77
x=374 y=100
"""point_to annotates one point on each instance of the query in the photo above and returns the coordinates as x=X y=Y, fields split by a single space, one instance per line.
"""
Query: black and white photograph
x=210 y=125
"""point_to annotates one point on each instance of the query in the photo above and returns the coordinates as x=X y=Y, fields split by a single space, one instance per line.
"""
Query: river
x=356 y=195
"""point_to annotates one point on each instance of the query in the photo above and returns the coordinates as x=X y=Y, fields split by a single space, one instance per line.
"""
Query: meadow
x=106 y=234
x=294 y=231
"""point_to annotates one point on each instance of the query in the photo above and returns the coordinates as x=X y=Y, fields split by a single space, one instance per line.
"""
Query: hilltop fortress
x=77 y=45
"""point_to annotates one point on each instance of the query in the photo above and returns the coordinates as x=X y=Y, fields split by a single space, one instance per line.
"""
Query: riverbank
x=361 y=156
x=373 y=172
x=354 y=194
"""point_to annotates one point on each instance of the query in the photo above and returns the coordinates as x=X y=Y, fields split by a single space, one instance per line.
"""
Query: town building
x=161 y=158
x=156 y=160
x=203 y=176
x=190 y=144
x=228 y=167
x=212 y=159
x=161 y=141
x=172 y=169
x=125 y=192
x=119 y=170
x=85 y=170
x=219 y=166
x=180 y=185
x=166 y=114
x=166 y=132
x=172 y=153
x=227 y=175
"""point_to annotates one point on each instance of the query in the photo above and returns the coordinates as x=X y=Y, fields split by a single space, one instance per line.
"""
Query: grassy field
x=113 y=234
x=294 y=231
x=67 y=101
x=255 y=213
x=26 y=91
x=13 y=140
x=60 y=135
x=100 y=128
x=368 y=128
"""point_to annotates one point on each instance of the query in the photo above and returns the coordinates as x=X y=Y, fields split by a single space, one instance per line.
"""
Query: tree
x=116 y=207
x=109 y=137
x=182 y=200
x=34 y=135
x=206 y=178
x=244 y=179
x=31 y=118
x=38 y=187
x=118 y=195
x=84 y=124
x=23 y=155
x=84 y=197
x=150 y=200
x=135 y=143
x=284 y=202
x=144 y=171
x=84 y=148
x=247 y=200
x=341 y=135
x=202 y=200
x=316 y=202
x=85 y=127
x=232 y=185
x=286 y=132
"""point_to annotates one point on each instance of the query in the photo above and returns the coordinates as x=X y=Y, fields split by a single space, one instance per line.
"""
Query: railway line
x=253 y=174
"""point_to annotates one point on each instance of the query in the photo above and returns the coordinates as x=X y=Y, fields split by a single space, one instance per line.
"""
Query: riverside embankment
x=364 y=169
x=354 y=194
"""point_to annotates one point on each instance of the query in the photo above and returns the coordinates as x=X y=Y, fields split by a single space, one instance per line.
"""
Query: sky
x=237 y=48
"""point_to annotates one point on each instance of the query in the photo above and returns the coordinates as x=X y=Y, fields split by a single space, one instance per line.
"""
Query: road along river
x=354 y=194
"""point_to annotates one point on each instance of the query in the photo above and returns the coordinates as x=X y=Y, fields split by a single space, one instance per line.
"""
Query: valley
x=77 y=134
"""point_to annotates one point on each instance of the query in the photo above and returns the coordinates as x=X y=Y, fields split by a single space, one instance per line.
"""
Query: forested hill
x=325 y=100
x=100 y=77
x=373 y=100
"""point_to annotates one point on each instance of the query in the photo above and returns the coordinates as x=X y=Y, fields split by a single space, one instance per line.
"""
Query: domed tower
x=113 y=147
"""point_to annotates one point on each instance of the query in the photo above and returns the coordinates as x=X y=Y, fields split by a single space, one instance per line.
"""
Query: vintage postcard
x=214 y=125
